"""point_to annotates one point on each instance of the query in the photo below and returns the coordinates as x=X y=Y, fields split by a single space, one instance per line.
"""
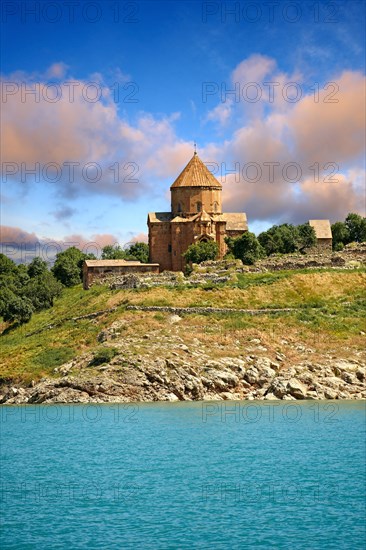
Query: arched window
x=179 y=207
x=215 y=206
x=199 y=206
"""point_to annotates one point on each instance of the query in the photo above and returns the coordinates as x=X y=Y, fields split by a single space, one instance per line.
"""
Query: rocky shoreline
x=228 y=378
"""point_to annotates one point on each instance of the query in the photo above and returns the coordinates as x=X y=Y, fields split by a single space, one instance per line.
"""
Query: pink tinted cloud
x=332 y=131
x=74 y=129
x=16 y=235
x=140 y=238
x=322 y=137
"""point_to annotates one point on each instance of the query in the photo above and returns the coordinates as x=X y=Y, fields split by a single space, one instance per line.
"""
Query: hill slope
x=326 y=326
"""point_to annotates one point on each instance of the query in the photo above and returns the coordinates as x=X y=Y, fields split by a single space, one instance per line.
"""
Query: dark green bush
x=103 y=355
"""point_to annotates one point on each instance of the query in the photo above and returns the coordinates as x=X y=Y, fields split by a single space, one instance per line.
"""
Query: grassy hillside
x=329 y=317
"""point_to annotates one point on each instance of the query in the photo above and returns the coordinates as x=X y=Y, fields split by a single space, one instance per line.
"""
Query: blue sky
x=169 y=62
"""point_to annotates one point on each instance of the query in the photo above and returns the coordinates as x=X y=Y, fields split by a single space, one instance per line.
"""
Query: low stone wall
x=104 y=274
x=202 y=310
x=147 y=280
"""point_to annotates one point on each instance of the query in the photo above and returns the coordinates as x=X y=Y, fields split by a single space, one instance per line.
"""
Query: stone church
x=196 y=215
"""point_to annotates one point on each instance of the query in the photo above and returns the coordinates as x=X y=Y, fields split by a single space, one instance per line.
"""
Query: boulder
x=251 y=375
x=266 y=374
x=278 y=388
x=296 y=389
x=222 y=378
x=171 y=397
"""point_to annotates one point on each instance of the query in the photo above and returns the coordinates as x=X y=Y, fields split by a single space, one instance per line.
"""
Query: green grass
x=246 y=280
x=337 y=316
x=27 y=356
x=50 y=358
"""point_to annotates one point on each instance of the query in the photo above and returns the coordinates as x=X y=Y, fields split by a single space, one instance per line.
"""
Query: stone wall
x=91 y=274
x=353 y=254
x=322 y=246
x=160 y=245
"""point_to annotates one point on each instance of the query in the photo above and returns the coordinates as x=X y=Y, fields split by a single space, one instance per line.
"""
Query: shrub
x=229 y=256
x=201 y=252
x=246 y=248
x=103 y=355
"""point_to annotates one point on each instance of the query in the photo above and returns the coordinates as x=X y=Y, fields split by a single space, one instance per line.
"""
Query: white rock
x=174 y=319
x=171 y=397
x=270 y=397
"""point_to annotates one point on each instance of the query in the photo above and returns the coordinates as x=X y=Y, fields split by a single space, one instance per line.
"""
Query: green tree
x=287 y=238
x=139 y=251
x=37 y=267
x=202 y=251
x=68 y=267
x=6 y=296
x=22 y=275
x=340 y=235
x=279 y=239
x=113 y=252
x=11 y=275
x=6 y=265
x=24 y=289
x=42 y=290
x=306 y=237
x=356 y=226
x=247 y=248
x=269 y=242
x=17 y=310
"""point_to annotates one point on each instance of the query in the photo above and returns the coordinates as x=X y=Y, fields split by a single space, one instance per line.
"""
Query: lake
x=233 y=475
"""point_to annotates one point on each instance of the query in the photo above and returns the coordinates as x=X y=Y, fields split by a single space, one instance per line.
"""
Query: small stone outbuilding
x=323 y=234
x=103 y=269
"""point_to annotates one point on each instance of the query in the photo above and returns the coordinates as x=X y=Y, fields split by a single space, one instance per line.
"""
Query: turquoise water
x=184 y=475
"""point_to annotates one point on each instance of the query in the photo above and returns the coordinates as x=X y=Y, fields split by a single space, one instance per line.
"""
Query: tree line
x=279 y=239
x=29 y=288
x=26 y=289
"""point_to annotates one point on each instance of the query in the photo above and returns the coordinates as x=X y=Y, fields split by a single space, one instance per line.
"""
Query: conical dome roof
x=196 y=174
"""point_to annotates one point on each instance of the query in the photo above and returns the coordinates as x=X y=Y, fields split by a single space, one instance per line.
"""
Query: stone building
x=103 y=269
x=323 y=234
x=196 y=215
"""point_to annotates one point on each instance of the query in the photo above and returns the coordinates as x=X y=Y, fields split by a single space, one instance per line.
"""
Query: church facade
x=196 y=215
